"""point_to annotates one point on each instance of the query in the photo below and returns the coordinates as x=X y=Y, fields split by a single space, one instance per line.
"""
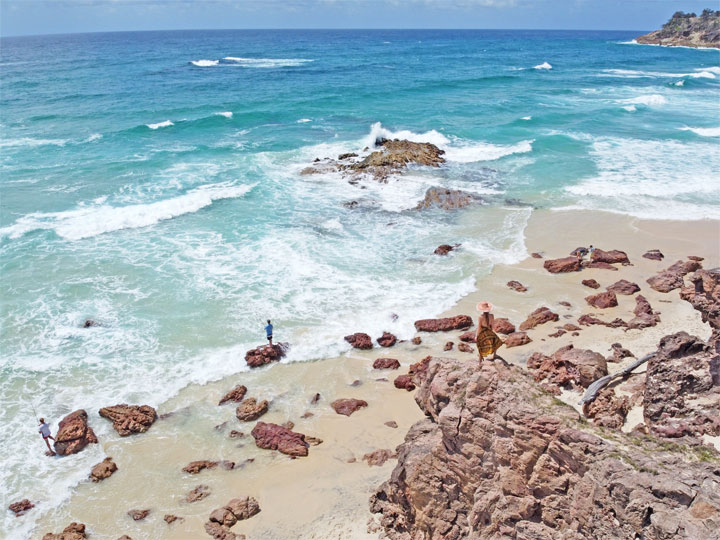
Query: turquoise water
x=150 y=181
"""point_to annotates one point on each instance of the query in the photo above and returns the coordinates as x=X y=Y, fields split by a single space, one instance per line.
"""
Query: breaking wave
x=166 y=123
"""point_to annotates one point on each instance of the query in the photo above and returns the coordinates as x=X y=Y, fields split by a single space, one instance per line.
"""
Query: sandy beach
x=325 y=495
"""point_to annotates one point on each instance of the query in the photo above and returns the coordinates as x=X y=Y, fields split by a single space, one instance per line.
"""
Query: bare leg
x=48 y=445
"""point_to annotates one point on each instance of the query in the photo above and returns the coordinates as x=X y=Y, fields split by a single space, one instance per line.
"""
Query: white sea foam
x=94 y=137
x=267 y=62
x=166 y=123
x=704 y=132
x=526 y=118
x=544 y=65
x=226 y=114
x=31 y=142
x=649 y=100
x=679 y=83
x=630 y=108
x=304 y=120
x=377 y=131
x=88 y=221
x=699 y=73
x=204 y=63
x=711 y=69
x=473 y=152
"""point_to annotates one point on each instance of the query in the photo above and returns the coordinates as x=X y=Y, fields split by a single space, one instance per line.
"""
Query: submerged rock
x=236 y=394
x=139 y=515
x=198 y=493
x=443 y=249
x=129 y=419
x=516 y=286
x=74 y=434
x=359 y=340
x=250 y=409
x=21 y=507
x=447 y=199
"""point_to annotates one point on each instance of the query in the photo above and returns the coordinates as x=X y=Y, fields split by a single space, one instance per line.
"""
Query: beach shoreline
x=325 y=495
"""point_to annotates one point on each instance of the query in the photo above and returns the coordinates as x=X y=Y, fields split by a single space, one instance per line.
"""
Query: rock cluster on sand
x=687 y=30
x=221 y=519
x=74 y=434
x=359 y=340
x=129 y=419
x=275 y=437
x=236 y=394
x=103 y=470
x=74 y=531
x=672 y=277
x=266 y=354
x=459 y=322
x=496 y=458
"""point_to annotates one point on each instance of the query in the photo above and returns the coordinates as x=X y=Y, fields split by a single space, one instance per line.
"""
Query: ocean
x=151 y=182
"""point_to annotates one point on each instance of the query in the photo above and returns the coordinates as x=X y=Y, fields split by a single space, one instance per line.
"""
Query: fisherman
x=591 y=252
x=45 y=432
x=268 y=331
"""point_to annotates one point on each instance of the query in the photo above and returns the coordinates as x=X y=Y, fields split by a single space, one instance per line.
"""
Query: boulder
x=672 y=277
x=275 y=437
x=138 y=515
x=619 y=353
x=469 y=337
x=386 y=363
x=459 y=322
x=644 y=314
x=501 y=326
x=540 y=316
x=602 y=300
x=348 y=406
x=265 y=354
x=378 y=458
x=447 y=199
x=567 y=367
x=449 y=346
x=103 y=470
x=704 y=295
x=613 y=256
x=417 y=340
x=21 y=507
x=236 y=394
x=391 y=424
x=607 y=410
x=194 y=467
x=130 y=419
x=198 y=493
x=221 y=519
x=74 y=531
x=387 y=340
x=74 y=434
x=624 y=287
x=654 y=255
x=250 y=409
x=591 y=283
x=443 y=249
x=404 y=382
x=464 y=347
x=172 y=518
x=359 y=340
x=516 y=339
x=516 y=286
x=565 y=264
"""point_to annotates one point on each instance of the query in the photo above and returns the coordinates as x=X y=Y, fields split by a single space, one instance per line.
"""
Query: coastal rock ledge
x=687 y=30
x=496 y=457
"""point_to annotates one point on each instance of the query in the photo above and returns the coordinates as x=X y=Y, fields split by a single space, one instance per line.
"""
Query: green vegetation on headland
x=687 y=30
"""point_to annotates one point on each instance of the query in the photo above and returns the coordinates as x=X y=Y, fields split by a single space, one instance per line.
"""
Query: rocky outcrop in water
x=265 y=354
x=387 y=340
x=129 y=419
x=21 y=507
x=496 y=457
x=359 y=340
x=236 y=394
x=447 y=199
x=103 y=470
x=275 y=437
x=74 y=434
x=74 y=531
x=687 y=30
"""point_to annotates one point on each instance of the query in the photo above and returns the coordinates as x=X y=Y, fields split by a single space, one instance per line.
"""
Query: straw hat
x=484 y=306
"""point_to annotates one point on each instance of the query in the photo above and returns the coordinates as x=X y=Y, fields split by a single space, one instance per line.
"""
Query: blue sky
x=22 y=17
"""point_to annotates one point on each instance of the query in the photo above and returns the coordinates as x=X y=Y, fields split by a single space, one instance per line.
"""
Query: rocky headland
x=687 y=30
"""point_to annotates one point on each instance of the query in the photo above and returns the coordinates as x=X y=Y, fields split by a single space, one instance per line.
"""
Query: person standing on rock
x=486 y=339
x=45 y=432
x=268 y=331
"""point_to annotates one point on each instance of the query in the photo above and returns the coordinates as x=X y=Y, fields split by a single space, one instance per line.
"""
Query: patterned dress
x=487 y=341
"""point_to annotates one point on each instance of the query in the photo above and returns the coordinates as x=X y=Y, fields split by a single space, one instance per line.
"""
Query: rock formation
x=672 y=277
x=236 y=394
x=566 y=264
x=602 y=300
x=447 y=199
x=567 y=367
x=378 y=458
x=593 y=284
x=387 y=340
x=654 y=255
x=540 y=316
x=687 y=30
x=516 y=286
x=359 y=340
x=221 y=519
x=129 y=419
x=348 y=406
x=624 y=287
x=704 y=295
x=74 y=531
x=250 y=409
x=386 y=363
x=459 y=322
x=516 y=339
x=74 y=434
x=103 y=470
x=265 y=354
x=614 y=256
x=24 y=506
x=496 y=457
x=275 y=437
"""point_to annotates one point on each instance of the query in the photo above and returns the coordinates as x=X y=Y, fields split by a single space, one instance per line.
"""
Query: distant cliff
x=688 y=30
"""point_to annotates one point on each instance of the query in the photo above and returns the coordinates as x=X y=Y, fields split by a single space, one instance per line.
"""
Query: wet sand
x=325 y=495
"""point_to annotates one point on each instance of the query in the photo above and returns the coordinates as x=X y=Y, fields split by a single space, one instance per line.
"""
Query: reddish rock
x=356 y=382
x=223 y=518
x=516 y=286
x=539 y=316
x=236 y=394
x=417 y=340
x=24 y=506
x=198 y=493
x=139 y=515
x=613 y=256
x=74 y=531
x=571 y=327
x=607 y=410
x=619 y=353
x=672 y=277
x=704 y=295
x=404 y=382
x=654 y=254
x=443 y=249
x=459 y=322
x=644 y=314
x=387 y=340
x=220 y=532
x=235 y=434
x=418 y=370
x=565 y=304
x=536 y=256
x=129 y=419
x=624 y=287
x=391 y=424
x=74 y=434
x=591 y=283
x=599 y=265
x=565 y=264
x=501 y=326
x=378 y=457
x=602 y=300
x=695 y=258
x=448 y=346
x=464 y=347
x=315 y=399
x=588 y=320
x=386 y=363
x=250 y=409
x=275 y=437
x=171 y=518
x=194 y=467
x=568 y=366
x=467 y=337
x=265 y=354
x=516 y=339
x=557 y=334
x=348 y=406
x=359 y=340
x=103 y=470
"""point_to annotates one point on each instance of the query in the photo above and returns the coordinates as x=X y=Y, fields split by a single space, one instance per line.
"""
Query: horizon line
x=316 y=29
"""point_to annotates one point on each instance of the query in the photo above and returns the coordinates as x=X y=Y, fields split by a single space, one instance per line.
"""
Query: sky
x=31 y=17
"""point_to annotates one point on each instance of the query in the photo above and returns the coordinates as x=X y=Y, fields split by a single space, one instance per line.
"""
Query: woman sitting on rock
x=486 y=339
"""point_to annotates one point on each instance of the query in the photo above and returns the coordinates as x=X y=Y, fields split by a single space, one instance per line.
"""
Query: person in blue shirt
x=268 y=331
